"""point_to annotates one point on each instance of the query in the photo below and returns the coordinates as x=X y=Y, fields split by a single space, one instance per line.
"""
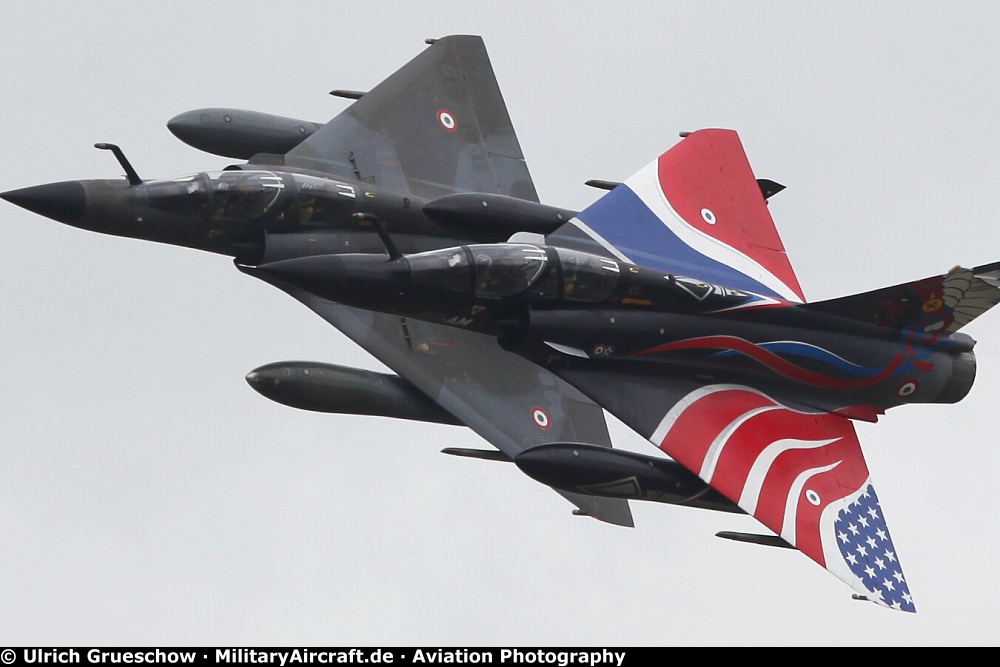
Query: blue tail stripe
x=628 y=224
x=811 y=352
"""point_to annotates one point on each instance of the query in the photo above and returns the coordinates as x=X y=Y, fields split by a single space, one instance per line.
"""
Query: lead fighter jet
x=410 y=223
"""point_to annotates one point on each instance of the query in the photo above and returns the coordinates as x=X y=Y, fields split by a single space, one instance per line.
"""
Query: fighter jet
x=410 y=223
x=431 y=155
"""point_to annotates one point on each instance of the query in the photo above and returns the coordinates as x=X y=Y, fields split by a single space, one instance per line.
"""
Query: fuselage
x=556 y=305
x=265 y=215
x=551 y=304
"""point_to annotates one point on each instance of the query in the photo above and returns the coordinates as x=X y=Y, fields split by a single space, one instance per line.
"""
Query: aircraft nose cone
x=64 y=202
x=364 y=281
x=315 y=274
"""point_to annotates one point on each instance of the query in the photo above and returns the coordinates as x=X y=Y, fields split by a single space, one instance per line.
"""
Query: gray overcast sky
x=148 y=495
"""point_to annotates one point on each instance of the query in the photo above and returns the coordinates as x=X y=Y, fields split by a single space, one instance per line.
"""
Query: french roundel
x=447 y=120
x=541 y=418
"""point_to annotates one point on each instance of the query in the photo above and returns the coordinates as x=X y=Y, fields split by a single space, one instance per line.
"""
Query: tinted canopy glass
x=587 y=277
x=446 y=269
x=506 y=269
x=244 y=195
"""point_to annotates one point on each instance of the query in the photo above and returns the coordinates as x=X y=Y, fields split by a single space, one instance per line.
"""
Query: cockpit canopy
x=243 y=195
x=502 y=270
x=224 y=195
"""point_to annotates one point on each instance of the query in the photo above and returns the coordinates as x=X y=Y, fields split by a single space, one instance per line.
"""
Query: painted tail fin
x=696 y=211
x=937 y=305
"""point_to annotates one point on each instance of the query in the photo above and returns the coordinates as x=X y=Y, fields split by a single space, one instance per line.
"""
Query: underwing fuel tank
x=239 y=133
x=493 y=218
x=340 y=389
x=615 y=473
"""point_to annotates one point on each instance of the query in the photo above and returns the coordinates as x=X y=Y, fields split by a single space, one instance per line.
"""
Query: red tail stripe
x=692 y=433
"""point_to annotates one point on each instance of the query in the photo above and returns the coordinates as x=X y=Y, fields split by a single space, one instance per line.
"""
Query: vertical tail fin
x=696 y=211
x=937 y=305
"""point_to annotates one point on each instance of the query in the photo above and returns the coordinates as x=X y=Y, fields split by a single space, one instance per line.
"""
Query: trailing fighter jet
x=410 y=223
x=671 y=303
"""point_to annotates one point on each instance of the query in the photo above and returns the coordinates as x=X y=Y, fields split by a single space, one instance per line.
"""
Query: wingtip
x=910 y=609
x=865 y=557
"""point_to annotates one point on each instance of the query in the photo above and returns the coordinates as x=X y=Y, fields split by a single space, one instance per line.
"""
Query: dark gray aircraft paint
x=330 y=388
x=619 y=474
x=431 y=154
x=239 y=133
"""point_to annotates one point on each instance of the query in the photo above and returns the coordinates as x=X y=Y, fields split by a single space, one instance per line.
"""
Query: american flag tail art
x=801 y=474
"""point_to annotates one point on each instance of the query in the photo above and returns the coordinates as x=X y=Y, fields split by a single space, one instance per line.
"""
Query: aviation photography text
x=313 y=656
